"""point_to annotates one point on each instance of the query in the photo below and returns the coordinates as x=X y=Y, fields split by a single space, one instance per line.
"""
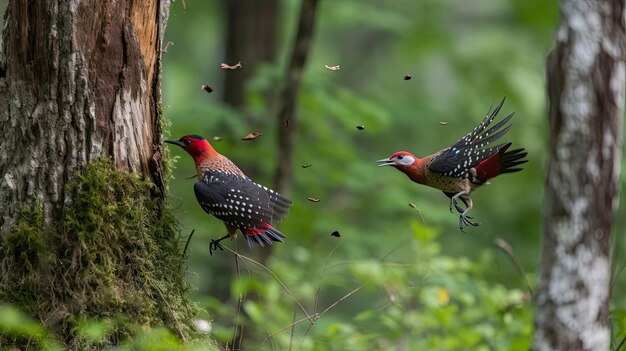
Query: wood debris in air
x=227 y=66
x=313 y=199
x=333 y=68
x=335 y=234
x=407 y=77
x=360 y=127
x=217 y=138
x=307 y=165
x=252 y=136
x=443 y=123
x=207 y=88
x=167 y=46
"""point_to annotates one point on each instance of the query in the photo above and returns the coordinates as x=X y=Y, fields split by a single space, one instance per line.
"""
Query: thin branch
x=293 y=325
x=273 y=275
x=621 y=343
x=508 y=250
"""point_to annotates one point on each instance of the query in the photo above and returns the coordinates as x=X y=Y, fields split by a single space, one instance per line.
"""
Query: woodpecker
x=464 y=166
x=225 y=192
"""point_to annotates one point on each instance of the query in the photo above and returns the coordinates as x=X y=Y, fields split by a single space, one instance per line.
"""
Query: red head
x=198 y=147
x=402 y=160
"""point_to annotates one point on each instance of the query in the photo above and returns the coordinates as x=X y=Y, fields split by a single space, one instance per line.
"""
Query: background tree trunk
x=251 y=35
x=80 y=80
x=586 y=89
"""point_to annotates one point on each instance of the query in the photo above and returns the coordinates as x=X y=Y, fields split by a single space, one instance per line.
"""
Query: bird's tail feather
x=263 y=236
x=502 y=162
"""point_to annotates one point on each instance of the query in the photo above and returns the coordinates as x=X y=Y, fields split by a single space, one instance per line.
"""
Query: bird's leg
x=464 y=219
x=455 y=203
x=215 y=244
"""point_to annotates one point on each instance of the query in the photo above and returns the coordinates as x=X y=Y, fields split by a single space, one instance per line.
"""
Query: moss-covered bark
x=114 y=255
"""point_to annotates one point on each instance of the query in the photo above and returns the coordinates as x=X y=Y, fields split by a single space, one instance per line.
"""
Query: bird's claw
x=214 y=245
x=464 y=221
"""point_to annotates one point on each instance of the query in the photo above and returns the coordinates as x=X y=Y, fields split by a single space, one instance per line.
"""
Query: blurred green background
x=439 y=289
x=424 y=285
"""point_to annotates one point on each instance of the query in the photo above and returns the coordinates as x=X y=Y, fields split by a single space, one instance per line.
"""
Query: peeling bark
x=586 y=79
x=78 y=80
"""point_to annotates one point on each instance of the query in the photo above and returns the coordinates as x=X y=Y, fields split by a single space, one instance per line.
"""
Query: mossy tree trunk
x=83 y=238
x=586 y=77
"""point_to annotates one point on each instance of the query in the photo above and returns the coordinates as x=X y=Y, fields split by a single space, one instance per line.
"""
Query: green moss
x=114 y=255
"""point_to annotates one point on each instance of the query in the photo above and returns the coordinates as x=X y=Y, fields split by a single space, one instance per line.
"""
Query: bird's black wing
x=471 y=149
x=239 y=201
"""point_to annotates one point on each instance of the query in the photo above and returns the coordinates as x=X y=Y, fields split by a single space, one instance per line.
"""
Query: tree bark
x=586 y=78
x=78 y=80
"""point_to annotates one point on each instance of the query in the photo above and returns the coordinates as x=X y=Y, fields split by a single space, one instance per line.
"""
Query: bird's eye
x=400 y=157
x=186 y=142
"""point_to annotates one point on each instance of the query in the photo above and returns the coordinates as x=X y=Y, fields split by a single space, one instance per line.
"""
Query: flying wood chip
x=252 y=136
x=443 y=123
x=335 y=234
x=333 y=68
x=217 y=138
x=207 y=88
x=313 y=199
x=307 y=165
x=407 y=77
x=412 y=205
x=227 y=66
x=360 y=127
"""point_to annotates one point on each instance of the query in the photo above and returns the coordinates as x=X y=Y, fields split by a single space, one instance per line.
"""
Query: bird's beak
x=385 y=162
x=175 y=142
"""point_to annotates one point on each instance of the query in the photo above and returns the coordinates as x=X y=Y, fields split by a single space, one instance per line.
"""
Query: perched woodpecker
x=464 y=166
x=226 y=193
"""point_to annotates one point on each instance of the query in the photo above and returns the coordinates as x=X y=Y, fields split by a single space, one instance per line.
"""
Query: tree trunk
x=251 y=30
x=79 y=81
x=586 y=89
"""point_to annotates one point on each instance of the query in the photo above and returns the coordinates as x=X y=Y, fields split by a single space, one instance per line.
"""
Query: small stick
x=187 y=243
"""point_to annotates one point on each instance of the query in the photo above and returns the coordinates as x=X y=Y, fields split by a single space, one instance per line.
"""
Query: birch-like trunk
x=79 y=79
x=586 y=78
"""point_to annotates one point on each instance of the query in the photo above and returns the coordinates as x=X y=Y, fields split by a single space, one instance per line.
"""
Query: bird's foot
x=465 y=221
x=454 y=202
x=215 y=244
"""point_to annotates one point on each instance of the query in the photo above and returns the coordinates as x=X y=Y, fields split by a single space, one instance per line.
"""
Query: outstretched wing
x=473 y=148
x=239 y=201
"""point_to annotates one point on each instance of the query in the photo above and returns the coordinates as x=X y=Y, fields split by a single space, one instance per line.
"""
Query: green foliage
x=118 y=258
x=414 y=297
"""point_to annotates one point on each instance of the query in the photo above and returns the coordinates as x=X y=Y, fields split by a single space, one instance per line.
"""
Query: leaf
x=333 y=68
x=252 y=136
x=227 y=66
